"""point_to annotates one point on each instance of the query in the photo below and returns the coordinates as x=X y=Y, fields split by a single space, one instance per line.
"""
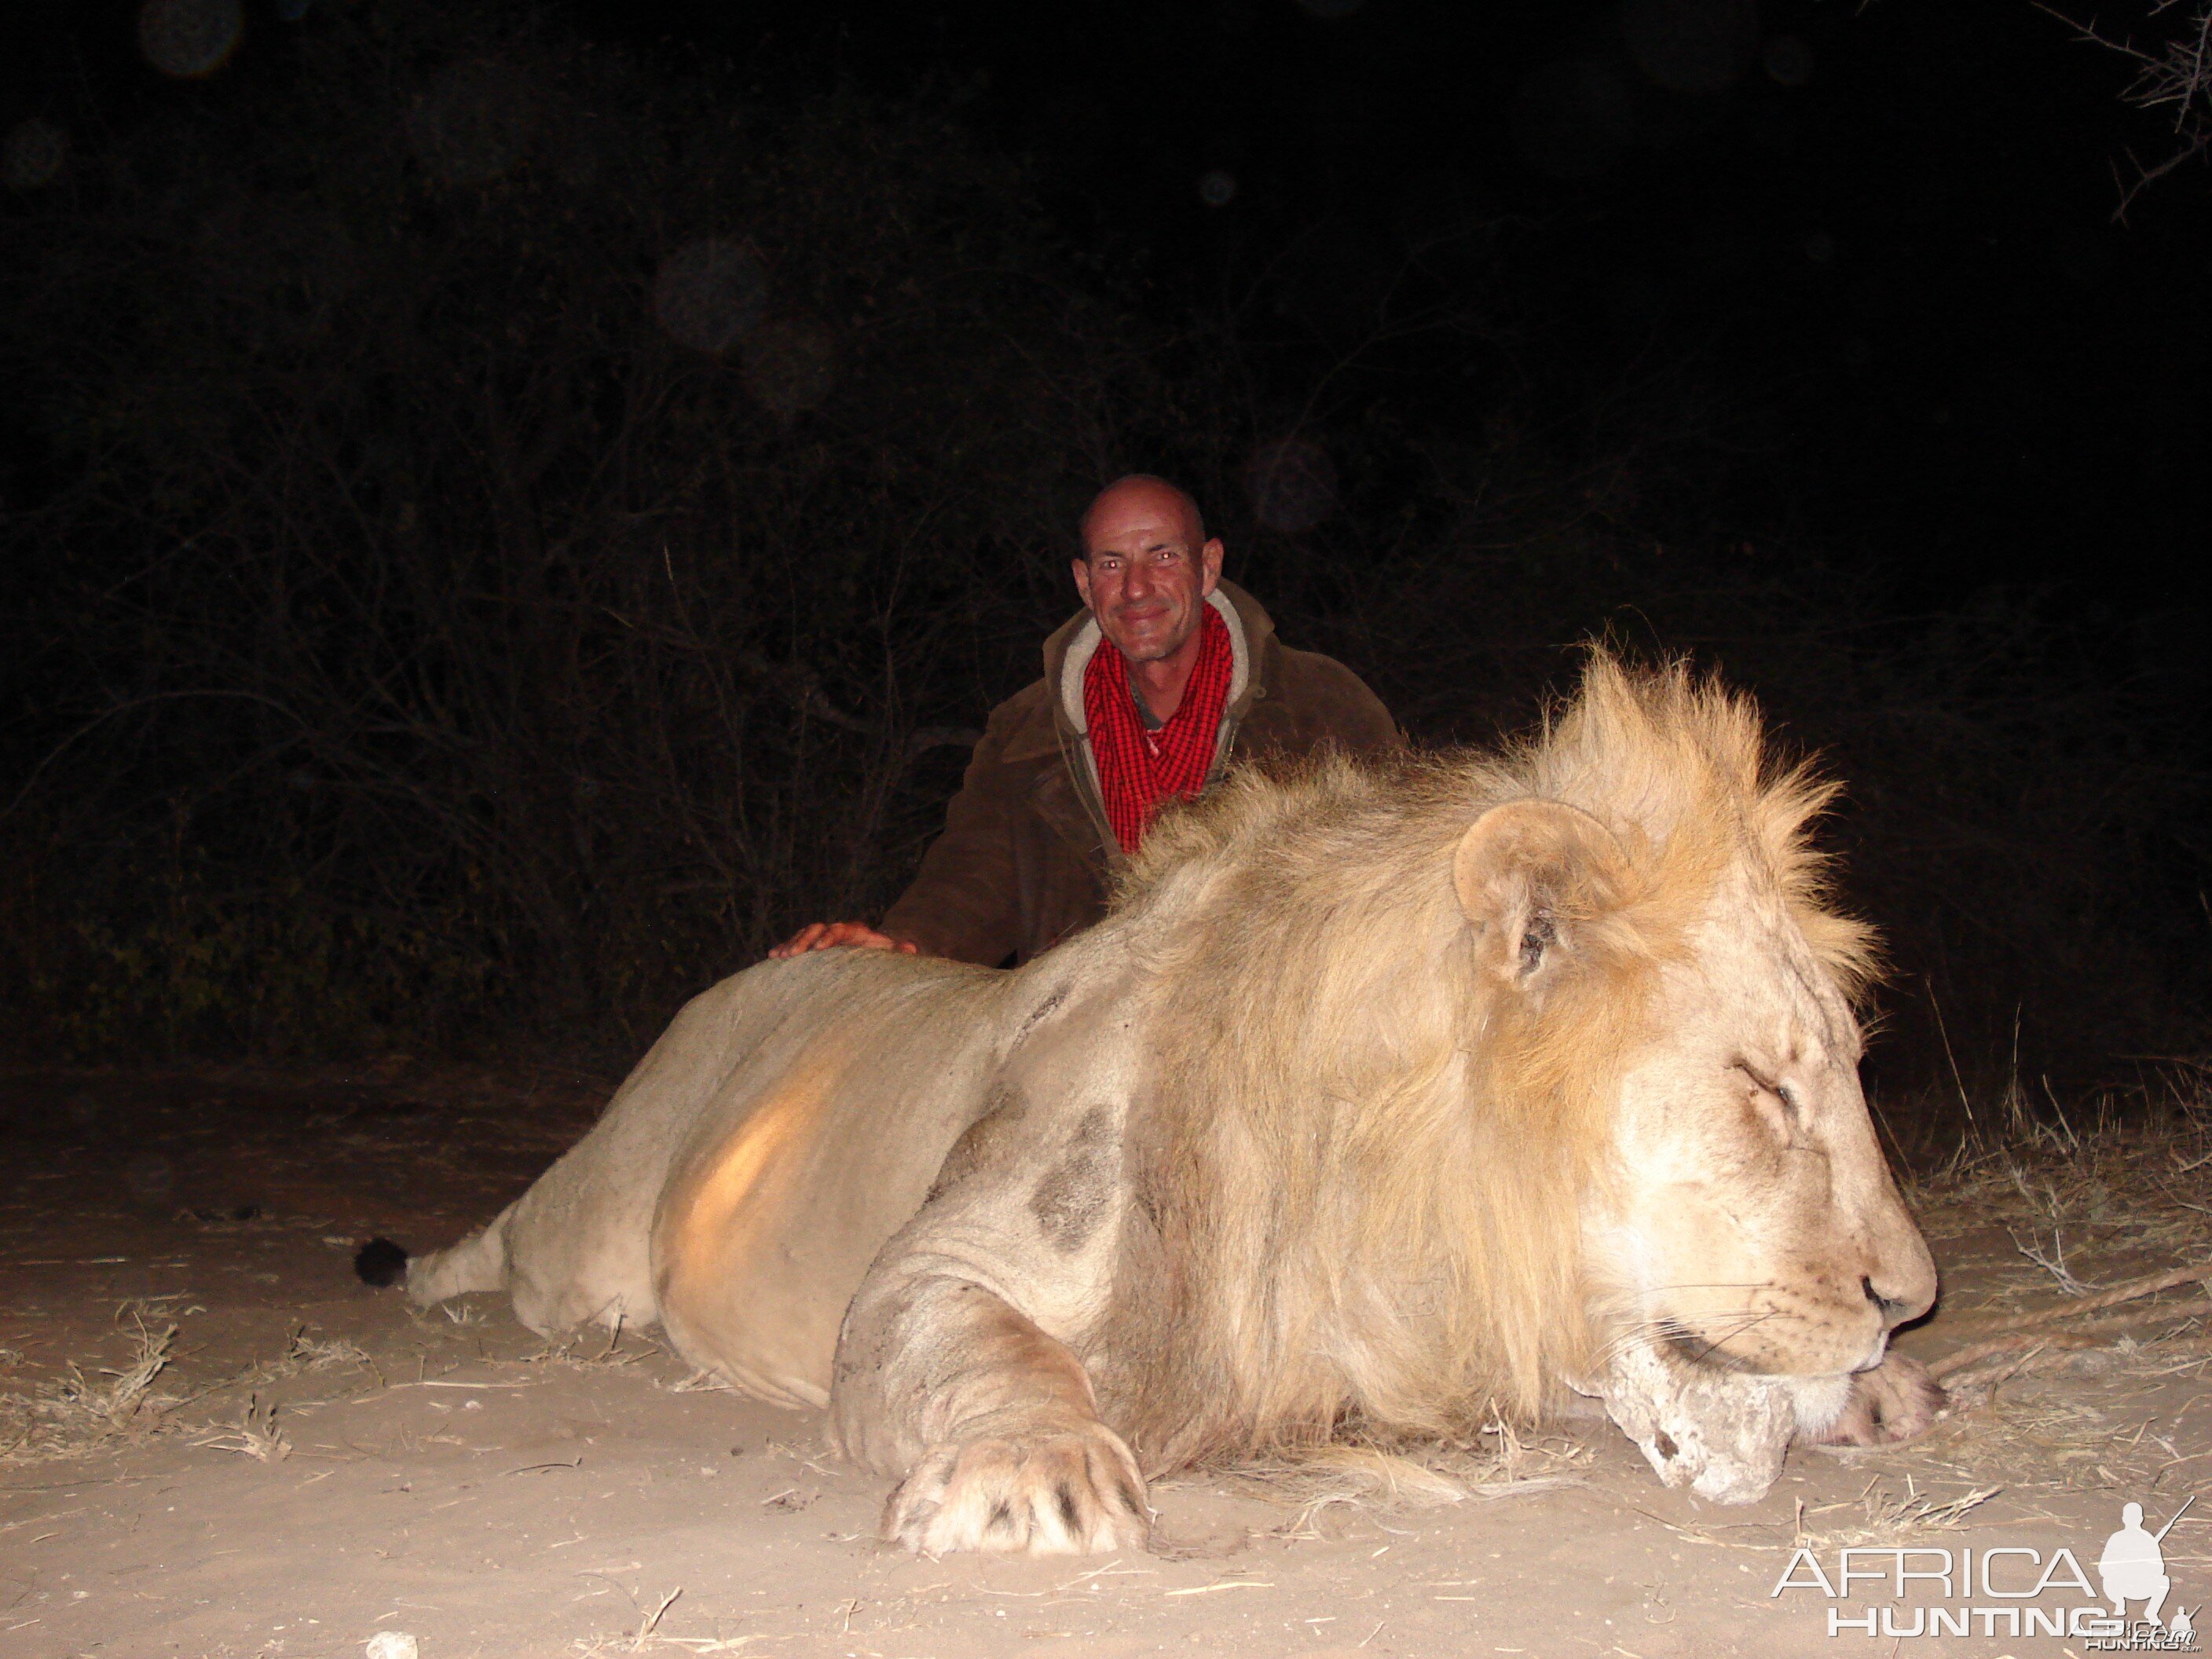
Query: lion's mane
x=1357 y=1199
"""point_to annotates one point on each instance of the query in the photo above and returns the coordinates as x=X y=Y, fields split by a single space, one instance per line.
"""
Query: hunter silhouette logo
x=2133 y=1567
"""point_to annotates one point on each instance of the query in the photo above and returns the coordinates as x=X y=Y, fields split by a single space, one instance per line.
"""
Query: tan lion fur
x=1329 y=1129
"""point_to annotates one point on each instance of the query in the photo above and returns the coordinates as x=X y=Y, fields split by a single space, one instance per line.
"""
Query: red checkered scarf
x=1139 y=769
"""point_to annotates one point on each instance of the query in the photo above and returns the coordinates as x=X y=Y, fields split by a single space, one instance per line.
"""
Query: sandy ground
x=314 y=1462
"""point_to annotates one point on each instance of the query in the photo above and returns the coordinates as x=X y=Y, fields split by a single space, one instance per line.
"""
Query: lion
x=1391 y=1093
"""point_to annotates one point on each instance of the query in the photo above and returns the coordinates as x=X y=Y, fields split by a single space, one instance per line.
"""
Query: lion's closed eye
x=1777 y=1104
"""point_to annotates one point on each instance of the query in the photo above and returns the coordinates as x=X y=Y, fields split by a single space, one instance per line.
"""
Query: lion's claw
x=1064 y=1492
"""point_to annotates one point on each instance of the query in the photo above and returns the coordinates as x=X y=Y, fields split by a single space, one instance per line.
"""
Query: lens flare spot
x=1789 y=60
x=709 y=294
x=790 y=364
x=473 y=123
x=34 y=154
x=1573 y=120
x=189 y=38
x=1291 y=483
x=1692 y=46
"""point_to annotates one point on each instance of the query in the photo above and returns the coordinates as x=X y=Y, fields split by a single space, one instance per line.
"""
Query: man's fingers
x=800 y=942
x=824 y=935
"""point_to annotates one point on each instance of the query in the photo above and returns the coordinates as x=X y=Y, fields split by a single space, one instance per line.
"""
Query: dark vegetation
x=500 y=531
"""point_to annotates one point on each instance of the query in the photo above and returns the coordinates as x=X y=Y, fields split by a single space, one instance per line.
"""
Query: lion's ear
x=1525 y=871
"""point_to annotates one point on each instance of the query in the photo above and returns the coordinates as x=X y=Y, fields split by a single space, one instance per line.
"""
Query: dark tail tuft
x=380 y=1262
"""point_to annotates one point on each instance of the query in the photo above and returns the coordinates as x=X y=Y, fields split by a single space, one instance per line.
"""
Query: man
x=2133 y=1567
x=1167 y=675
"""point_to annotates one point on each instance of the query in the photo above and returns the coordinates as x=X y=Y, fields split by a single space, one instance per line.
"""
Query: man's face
x=1146 y=573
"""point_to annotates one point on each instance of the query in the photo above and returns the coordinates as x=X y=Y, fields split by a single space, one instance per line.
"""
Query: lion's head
x=1749 y=1219
x=1471 y=1067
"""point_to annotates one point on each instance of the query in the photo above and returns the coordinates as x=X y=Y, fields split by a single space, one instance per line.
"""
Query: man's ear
x=1083 y=580
x=1527 y=872
x=1209 y=565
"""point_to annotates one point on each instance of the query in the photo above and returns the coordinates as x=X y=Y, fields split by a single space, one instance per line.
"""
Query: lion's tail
x=380 y=1262
x=474 y=1264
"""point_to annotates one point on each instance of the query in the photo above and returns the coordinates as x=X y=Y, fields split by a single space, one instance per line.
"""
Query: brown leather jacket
x=1025 y=857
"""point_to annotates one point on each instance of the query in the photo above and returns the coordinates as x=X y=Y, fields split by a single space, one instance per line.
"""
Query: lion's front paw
x=1896 y=1401
x=1072 y=1492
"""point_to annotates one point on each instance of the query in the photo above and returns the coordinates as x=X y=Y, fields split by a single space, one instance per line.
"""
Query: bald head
x=1146 y=568
x=1151 y=498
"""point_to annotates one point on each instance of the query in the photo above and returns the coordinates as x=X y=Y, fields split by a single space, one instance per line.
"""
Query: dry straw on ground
x=110 y=1407
x=77 y=1413
x=1886 y=1517
x=2104 y=1207
x=254 y=1435
x=2076 y=1243
x=1498 y=1462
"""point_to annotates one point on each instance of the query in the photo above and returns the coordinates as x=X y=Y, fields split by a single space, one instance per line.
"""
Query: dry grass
x=1499 y=1462
x=1885 y=1517
x=304 y=1355
x=2053 y=1156
x=647 y=1635
x=586 y=1351
x=2076 y=1245
x=2092 y=1206
x=699 y=1381
x=254 y=1435
x=652 y=1640
x=312 y=1354
x=107 y=1407
x=77 y=1413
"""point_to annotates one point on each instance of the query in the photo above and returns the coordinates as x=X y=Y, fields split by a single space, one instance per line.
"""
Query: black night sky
x=1887 y=232
x=1889 y=229
x=1808 y=337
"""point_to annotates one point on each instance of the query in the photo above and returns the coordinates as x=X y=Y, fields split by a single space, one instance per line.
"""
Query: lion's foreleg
x=992 y=1421
x=1897 y=1400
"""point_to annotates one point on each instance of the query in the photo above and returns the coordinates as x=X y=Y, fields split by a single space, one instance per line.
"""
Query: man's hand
x=823 y=935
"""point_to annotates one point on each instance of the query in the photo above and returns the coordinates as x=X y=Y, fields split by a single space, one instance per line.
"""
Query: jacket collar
x=1067 y=653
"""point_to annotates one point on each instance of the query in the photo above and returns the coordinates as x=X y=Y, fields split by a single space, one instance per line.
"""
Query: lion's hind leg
x=550 y=1296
